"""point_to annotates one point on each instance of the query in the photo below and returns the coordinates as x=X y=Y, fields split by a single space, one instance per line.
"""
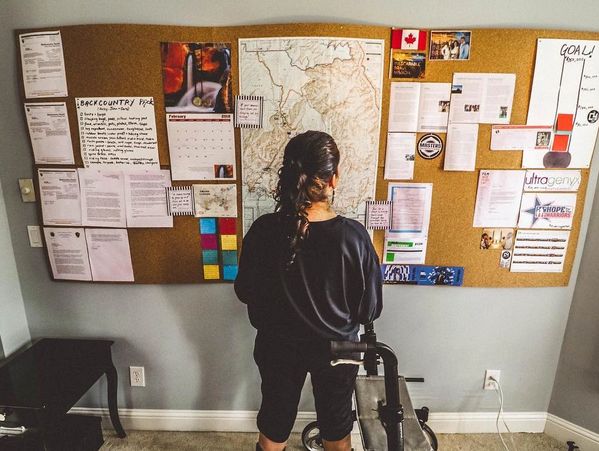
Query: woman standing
x=308 y=276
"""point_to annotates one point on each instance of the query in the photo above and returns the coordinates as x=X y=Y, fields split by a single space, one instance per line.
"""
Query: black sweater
x=333 y=286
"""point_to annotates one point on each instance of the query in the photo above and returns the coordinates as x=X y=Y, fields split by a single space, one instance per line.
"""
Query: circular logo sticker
x=430 y=146
x=593 y=116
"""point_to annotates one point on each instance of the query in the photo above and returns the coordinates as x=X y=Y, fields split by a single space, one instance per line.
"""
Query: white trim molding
x=564 y=431
x=245 y=420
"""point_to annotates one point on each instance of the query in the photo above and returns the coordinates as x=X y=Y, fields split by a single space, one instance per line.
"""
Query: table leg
x=111 y=376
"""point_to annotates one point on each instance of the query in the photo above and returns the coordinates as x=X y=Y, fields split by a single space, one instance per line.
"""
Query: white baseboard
x=564 y=431
x=245 y=421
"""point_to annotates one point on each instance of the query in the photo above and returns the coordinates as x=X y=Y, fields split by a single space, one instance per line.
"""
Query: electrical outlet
x=490 y=384
x=137 y=376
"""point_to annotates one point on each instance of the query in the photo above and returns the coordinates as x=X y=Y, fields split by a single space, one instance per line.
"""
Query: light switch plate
x=35 y=236
x=27 y=190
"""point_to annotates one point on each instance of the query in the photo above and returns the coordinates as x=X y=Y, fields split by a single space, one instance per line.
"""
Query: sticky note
x=228 y=242
x=211 y=272
x=227 y=226
x=565 y=122
x=230 y=272
x=560 y=143
x=209 y=241
x=210 y=257
x=229 y=257
x=207 y=225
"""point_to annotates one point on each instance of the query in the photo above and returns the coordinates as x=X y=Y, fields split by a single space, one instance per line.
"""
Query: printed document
x=109 y=255
x=540 y=250
x=462 y=142
x=419 y=107
x=67 y=252
x=102 y=198
x=50 y=134
x=400 y=155
x=145 y=198
x=498 y=198
x=42 y=62
x=60 y=196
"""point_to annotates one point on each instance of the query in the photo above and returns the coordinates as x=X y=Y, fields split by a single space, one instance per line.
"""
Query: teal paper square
x=230 y=272
x=229 y=257
x=210 y=257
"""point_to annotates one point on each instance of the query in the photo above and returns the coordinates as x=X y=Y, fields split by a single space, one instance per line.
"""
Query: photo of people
x=443 y=106
x=407 y=64
x=543 y=139
x=502 y=112
x=196 y=77
x=450 y=45
x=497 y=239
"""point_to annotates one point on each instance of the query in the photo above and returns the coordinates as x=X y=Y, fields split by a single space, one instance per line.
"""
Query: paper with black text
x=67 y=252
x=540 y=250
x=419 y=107
x=460 y=153
x=484 y=98
x=42 y=63
x=519 y=137
x=498 y=198
x=404 y=101
x=109 y=255
x=102 y=198
x=400 y=156
x=48 y=125
x=145 y=198
x=60 y=196
x=552 y=180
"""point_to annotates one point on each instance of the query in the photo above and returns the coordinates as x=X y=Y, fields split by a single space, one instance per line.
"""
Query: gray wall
x=576 y=391
x=14 y=331
x=195 y=341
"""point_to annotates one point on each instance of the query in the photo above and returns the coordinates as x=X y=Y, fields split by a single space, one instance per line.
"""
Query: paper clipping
x=48 y=125
x=67 y=252
x=117 y=132
x=42 y=62
x=498 y=198
x=547 y=210
x=109 y=255
x=145 y=198
x=102 y=198
x=400 y=156
x=215 y=200
x=540 y=251
x=60 y=197
x=519 y=137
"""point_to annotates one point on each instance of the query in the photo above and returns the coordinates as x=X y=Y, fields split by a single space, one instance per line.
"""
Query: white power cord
x=500 y=415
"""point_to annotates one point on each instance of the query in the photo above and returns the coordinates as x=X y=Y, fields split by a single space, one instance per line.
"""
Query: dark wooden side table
x=40 y=383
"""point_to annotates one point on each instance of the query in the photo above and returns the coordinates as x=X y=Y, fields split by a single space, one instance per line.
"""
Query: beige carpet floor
x=220 y=441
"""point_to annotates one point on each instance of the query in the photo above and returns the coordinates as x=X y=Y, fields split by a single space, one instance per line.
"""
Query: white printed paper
x=498 y=198
x=540 y=251
x=201 y=146
x=145 y=198
x=109 y=255
x=405 y=249
x=419 y=107
x=482 y=98
x=400 y=156
x=519 y=137
x=378 y=214
x=248 y=111
x=212 y=200
x=102 y=198
x=552 y=180
x=179 y=201
x=547 y=210
x=462 y=142
x=59 y=196
x=117 y=132
x=48 y=125
x=565 y=85
x=67 y=252
x=411 y=207
x=42 y=62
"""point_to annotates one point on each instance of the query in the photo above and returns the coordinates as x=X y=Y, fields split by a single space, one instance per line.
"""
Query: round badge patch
x=593 y=116
x=430 y=146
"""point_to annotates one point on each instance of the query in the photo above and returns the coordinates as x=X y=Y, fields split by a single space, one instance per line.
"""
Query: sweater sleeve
x=371 y=303
x=245 y=287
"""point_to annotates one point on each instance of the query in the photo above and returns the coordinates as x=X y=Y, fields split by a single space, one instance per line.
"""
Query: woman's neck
x=320 y=211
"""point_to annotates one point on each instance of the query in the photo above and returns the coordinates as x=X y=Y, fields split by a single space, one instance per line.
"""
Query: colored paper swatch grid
x=218 y=238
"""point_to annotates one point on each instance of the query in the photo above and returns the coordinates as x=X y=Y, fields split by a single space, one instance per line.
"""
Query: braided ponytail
x=310 y=161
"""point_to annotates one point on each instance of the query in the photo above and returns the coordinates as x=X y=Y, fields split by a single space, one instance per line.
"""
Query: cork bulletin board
x=124 y=60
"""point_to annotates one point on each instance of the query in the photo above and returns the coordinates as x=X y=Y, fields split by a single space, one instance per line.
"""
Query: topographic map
x=327 y=84
x=212 y=200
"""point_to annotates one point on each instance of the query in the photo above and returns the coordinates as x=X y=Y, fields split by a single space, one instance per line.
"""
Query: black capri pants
x=284 y=364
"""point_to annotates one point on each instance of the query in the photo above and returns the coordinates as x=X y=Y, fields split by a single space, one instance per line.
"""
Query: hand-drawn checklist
x=117 y=132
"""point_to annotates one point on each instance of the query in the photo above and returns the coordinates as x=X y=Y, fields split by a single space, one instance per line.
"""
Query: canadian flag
x=408 y=39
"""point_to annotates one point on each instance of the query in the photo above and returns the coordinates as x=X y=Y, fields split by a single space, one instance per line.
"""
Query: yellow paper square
x=228 y=242
x=211 y=272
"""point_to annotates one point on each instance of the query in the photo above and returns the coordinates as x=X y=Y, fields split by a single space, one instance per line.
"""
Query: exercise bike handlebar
x=347 y=347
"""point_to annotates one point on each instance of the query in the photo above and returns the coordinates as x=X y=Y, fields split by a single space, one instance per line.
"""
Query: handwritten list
x=117 y=132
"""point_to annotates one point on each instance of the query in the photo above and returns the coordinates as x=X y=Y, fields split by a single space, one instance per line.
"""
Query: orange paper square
x=560 y=143
x=565 y=122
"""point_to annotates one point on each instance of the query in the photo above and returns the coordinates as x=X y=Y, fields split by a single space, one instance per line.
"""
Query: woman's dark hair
x=309 y=162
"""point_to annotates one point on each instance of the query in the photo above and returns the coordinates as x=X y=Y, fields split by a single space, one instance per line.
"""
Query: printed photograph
x=407 y=64
x=443 y=106
x=223 y=171
x=196 y=77
x=543 y=139
x=502 y=112
x=497 y=239
x=450 y=45
x=456 y=89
